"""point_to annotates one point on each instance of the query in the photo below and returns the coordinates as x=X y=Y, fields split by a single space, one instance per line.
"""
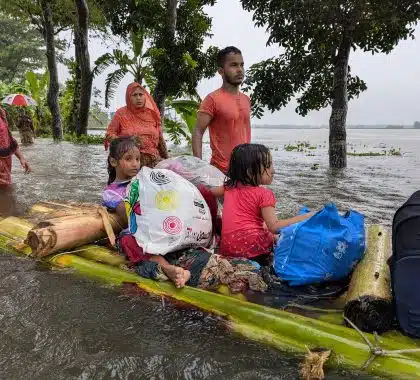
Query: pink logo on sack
x=172 y=225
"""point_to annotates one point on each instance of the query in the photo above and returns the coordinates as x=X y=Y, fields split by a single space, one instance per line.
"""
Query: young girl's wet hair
x=247 y=165
x=117 y=149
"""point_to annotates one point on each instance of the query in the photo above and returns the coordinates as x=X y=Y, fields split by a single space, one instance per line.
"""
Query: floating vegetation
x=366 y=154
x=315 y=167
x=395 y=152
x=301 y=146
x=391 y=152
x=308 y=149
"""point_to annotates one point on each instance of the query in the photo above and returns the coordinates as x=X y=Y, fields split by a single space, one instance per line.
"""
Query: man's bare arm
x=203 y=121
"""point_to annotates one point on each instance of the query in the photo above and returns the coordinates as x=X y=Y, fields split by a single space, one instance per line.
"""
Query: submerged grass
x=84 y=139
x=366 y=154
x=73 y=138
x=308 y=149
x=391 y=152
x=301 y=146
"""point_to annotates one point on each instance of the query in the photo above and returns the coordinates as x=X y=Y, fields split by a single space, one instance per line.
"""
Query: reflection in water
x=56 y=325
x=8 y=204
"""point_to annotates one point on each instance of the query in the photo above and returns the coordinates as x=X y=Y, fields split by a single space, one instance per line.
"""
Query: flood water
x=56 y=325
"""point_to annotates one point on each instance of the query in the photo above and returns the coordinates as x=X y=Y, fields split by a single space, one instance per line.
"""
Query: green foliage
x=301 y=146
x=178 y=62
x=36 y=85
x=21 y=49
x=12 y=112
x=30 y=11
x=138 y=65
x=180 y=119
x=98 y=119
x=176 y=130
x=66 y=98
x=84 y=139
x=310 y=34
x=391 y=152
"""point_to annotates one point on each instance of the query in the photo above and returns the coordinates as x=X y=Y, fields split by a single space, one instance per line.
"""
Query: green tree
x=317 y=37
x=21 y=49
x=49 y=17
x=12 y=111
x=48 y=32
x=88 y=17
x=81 y=43
x=177 y=30
x=137 y=65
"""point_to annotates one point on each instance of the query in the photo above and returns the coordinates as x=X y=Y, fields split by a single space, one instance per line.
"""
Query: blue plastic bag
x=325 y=247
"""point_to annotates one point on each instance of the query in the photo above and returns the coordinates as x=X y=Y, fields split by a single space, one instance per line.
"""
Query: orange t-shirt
x=230 y=124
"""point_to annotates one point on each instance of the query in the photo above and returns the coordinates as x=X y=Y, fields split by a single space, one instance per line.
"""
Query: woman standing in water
x=8 y=148
x=140 y=118
x=26 y=128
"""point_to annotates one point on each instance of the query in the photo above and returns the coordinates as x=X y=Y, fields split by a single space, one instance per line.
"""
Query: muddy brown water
x=55 y=325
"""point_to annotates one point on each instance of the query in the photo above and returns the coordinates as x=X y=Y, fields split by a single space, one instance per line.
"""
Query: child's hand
x=137 y=141
x=25 y=165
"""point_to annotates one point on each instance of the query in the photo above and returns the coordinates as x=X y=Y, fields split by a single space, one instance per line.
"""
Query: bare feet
x=178 y=275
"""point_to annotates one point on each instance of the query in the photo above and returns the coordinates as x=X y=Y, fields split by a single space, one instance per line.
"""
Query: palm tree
x=180 y=115
x=138 y=65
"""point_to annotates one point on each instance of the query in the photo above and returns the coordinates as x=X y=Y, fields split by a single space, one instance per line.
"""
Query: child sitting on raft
x=249 y=220
x=196 y=267
x=123 y=165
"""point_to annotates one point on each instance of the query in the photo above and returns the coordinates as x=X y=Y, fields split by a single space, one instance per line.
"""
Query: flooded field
x=58 y=326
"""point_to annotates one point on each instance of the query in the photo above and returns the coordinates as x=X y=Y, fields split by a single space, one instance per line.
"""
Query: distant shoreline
x=310 y=127
x=326 y=127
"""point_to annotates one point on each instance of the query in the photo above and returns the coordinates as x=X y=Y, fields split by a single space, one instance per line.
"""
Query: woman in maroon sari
x=8 y=148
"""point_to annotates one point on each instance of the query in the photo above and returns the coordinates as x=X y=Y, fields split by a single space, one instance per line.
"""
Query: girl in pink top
x=249 y=219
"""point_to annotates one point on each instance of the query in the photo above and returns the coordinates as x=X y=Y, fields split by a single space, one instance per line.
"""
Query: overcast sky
x=393 y=80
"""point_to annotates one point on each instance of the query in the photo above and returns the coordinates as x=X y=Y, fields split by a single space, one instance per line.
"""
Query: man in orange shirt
x=226 y=112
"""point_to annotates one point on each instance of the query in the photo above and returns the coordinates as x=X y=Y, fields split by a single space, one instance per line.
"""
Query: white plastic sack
x=166 y=212
x=194 y=170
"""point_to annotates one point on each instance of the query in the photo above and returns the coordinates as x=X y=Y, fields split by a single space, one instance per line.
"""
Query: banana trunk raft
x=394 y=356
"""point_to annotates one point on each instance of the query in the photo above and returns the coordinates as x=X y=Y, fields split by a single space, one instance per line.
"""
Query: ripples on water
x=59 y=326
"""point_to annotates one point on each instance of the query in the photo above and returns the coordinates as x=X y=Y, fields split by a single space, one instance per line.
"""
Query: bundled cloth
x=197 y=171
x=208 y=271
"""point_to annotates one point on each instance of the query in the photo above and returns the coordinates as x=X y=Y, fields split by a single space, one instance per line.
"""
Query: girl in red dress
x=249 y=219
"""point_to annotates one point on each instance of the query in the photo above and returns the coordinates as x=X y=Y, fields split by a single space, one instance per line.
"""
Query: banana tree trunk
x=86 y=77
x=337 y=141
x=280 y=329
x=53 y=90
